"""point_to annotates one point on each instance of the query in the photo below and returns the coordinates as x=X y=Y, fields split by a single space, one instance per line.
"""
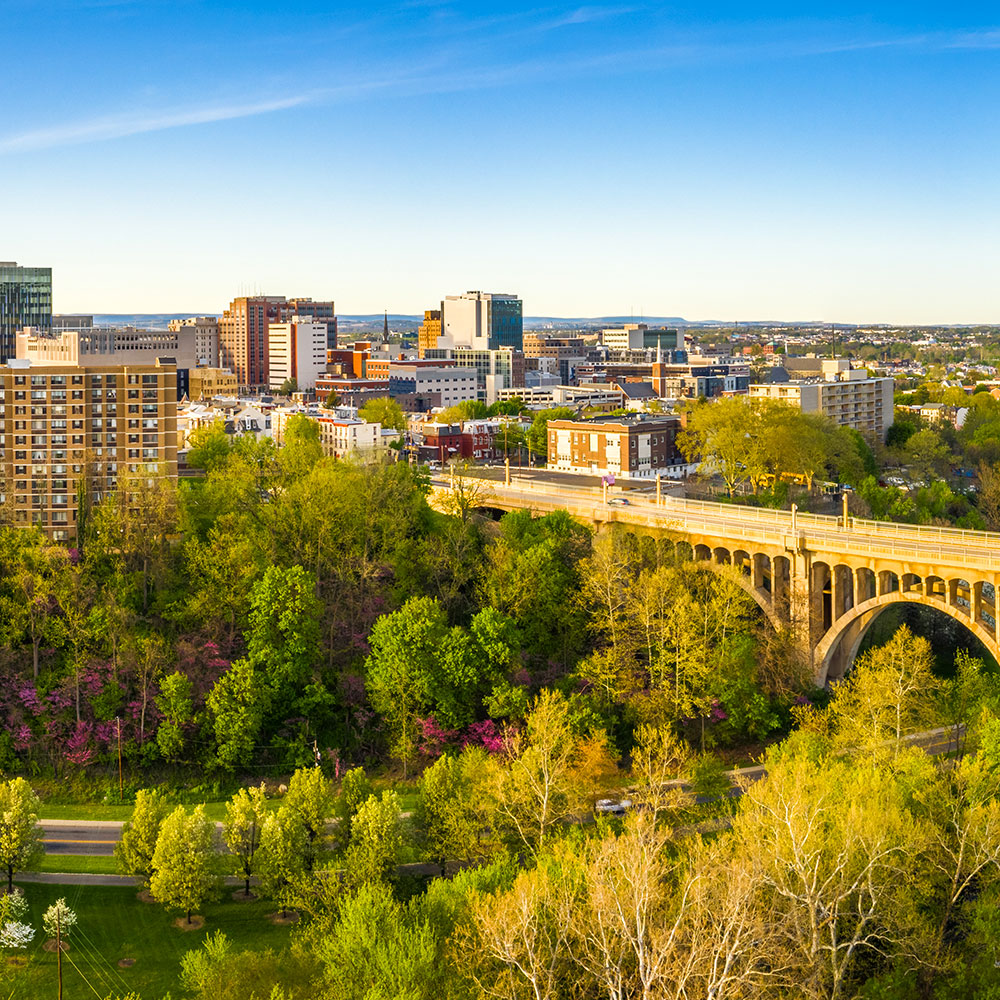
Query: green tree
x=289 y=386
x=889 y=694
x=175 y=705
x=537 y=435
x=209 y=446
x=927 y=453
x=354 y=791
x=20 y=838
x=184 y=874
x=301 y=448
x=310 y=799
x=236 y=706
x=332 y=399
x=245 y=815
x=384 y=411
x=281 y=855
x=376 y=840
x=137 y=845
x=284 y=631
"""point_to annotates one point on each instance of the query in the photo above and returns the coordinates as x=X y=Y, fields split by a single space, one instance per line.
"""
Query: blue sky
x=726 y=161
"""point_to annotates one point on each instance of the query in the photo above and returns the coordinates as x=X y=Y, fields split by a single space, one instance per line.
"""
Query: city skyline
x=596 y=160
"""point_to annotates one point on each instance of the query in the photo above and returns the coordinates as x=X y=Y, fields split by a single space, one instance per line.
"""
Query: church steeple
x=385 y=328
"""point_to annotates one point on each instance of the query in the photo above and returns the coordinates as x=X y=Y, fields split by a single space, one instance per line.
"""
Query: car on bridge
x=620 y=501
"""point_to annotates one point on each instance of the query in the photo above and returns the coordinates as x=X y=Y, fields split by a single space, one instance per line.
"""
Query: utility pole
x=59 y=947
x=659 y=494
x=120 y=790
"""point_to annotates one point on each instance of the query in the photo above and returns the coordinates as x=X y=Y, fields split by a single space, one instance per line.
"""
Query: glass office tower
x=25 y=300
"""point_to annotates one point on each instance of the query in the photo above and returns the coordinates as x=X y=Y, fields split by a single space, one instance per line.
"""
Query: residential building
x=483 y=321
x=339 y=436
x=297 y=349
x=638 y=446
x=430 y=331
x=471 y=440
x=243 y=332
x=845 y=395
x=206 y=337
x=65 y=423
x=25 y=300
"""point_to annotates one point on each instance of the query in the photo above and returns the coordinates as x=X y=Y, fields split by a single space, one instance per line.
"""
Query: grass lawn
x=112 y=925
x=77 y=863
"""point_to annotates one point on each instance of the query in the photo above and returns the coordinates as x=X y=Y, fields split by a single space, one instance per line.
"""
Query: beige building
x=61 y=423
x=205 y=383
x=847 y=396
x=125 y=345
x=206 y=337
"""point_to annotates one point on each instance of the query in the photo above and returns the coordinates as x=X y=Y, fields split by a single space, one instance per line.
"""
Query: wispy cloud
x=121 y=125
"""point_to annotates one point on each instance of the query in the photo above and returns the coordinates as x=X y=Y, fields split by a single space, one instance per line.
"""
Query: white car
x=613 y=807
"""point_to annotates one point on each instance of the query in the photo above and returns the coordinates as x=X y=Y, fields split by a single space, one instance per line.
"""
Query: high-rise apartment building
x=25 y=300
x=61 y=424
x=482 y=320
x=243 y=338
x=296 y=350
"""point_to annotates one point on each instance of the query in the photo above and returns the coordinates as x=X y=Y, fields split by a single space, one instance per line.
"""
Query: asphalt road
x=72 y=836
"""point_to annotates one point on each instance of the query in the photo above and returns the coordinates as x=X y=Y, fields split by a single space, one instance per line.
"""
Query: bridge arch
x=838 y=647
x=760 y=596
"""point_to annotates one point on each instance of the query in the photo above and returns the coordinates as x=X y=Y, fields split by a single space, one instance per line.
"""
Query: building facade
x=297 y=349
x=453 y=384
x=847 y=396
x=482 y=320
x=96 y=423
x=25 y=300
x=243 y=338
x=339 y=437
x=633 y=447
x=206 y=383
x=206 y=337
x=430 y=331
x=497 y=369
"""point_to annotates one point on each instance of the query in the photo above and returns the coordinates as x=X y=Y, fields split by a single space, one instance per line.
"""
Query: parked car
x=613 y=807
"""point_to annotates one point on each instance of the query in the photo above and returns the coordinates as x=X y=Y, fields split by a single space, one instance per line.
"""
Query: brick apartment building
x=61 y=423
x=632 y=447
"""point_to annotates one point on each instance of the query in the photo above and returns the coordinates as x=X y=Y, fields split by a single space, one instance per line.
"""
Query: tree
x=385 y=412
x=332 y=399
x=184 y=861
x=281 y=855
x=447 y=811
x=209 y=446
x=833 y=846
x=15 y=932
x=301 y=448
x=284 y=634
x=376 y=840
x=245 y=815
x=466 y=493
x=58 y=918
x=354 y=791
x=889 y=694
x=717 y=435
x=20 y=838
x=927 y=453
x=536 y=789
x=289 y=386
x=310 y=800
x=236 y=705
x=174 y=704
x=135 y=849
x=537 y=435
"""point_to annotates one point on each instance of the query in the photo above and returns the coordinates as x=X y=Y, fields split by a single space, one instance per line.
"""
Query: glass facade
x=505 y=323
x=25 y=300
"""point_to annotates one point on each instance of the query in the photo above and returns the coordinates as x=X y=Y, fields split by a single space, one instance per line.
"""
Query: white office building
x=296 y=350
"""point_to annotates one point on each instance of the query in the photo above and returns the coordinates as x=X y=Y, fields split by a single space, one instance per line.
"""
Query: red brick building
x=638 y=446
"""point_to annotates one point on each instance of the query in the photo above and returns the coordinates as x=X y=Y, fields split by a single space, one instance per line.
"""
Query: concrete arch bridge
x=827 y=578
